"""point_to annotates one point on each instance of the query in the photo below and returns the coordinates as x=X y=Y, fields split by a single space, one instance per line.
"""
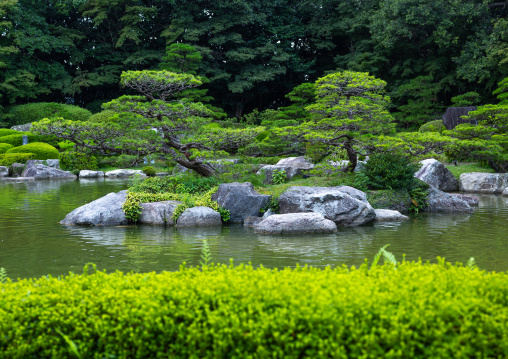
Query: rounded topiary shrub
x=72 y=160
x=4 y=147
x=31 y=112
x=41 y=151
x=102 y=117
x=7 y=159
x=16 y=139
x=433 y=126
x=7 y=132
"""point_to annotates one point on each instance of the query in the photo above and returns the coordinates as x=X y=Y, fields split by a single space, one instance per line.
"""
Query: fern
x=206 y=256
x=3 y=275
x=471 y=263
x=387 y=256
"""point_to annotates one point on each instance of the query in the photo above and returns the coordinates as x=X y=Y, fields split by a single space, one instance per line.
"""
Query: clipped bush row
x=414 y=311
x=40 y=150
x=4 y=147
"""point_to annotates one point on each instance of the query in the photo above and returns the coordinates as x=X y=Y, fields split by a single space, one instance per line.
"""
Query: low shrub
x=72 y=160
x=41 y=151
x=433 y=126
x=415 y=310
x=149 y=171
x=397 y=200
x=390 y=171
x=7 y=159
x=31 y=112
x=16 y=139
x=4 y=147
x=102 y=117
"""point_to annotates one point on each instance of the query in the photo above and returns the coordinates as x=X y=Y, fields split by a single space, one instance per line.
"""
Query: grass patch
x=468 y=167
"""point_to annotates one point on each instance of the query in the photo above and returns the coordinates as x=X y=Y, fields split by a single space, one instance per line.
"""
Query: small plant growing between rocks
x=279 y=176
x=149 y=171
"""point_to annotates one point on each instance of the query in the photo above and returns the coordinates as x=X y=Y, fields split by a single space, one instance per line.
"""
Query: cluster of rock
x=34 y=169
x=292 y=166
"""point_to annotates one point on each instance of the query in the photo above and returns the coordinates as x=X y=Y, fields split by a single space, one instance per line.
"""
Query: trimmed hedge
x=4 y=147
x=41 y=150
x=433 y=126
x=7 y=159
x=414 y=311
x=7 y=132
x=31 y=112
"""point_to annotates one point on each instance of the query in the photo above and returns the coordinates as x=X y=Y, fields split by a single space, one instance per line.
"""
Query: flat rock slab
x=480 y=182
x=105 y=211
x=471 y=200
x=437 y=175
x=199 y=217
x=296 y=223
x=241 y=200
x=158 y=213
x=90 y=174
x=122 y=173
x=39 y=171
x=387 y=215
x=344 y=205
x=439 y=201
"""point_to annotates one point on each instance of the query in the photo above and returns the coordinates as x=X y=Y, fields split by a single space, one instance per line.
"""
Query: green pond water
x=33 y=243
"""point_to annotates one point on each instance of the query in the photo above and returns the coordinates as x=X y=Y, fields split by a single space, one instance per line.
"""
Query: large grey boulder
x=296 y=162
x=38 y=171
x=241 y=200
x=55 y=163
x=252 y=221
x=158 y=213
x=23 y=128
x=105 y=211
x=199 y=217
x=90 y=174
x=296 y=223
x=4 y=171
x=453 y=116
x=505 y=192
x=480 y=182
x=334 y=203
x=388 y=215
x=437 y=175
x=124 y=173
x=439 y=201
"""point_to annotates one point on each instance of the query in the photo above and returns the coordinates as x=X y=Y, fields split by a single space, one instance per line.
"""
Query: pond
x=33 y=243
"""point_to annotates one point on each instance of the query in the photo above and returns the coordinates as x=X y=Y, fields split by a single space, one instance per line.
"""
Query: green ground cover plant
x=4 y=147
x=397 y=310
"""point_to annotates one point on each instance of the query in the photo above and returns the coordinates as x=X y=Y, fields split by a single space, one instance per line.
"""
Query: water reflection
x=33 y=243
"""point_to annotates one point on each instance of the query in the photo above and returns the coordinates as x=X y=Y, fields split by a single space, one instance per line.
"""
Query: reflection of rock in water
x=41 y=186
x=492 y=201
x=197 y=233
x=106 y=236
x=444 y=221
x=90 y=181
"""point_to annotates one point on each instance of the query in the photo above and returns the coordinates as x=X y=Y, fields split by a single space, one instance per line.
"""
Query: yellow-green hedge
x=415 y=311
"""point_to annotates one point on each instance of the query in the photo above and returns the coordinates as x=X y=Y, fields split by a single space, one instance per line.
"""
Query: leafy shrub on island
x=7 y=132
x=77 y=161
x=402 y=310
x=41 y=151
x=7 y=159
x=31 y=112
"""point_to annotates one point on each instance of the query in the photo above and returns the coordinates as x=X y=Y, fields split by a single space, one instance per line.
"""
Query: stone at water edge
x=505 y=192
x=4 y=171
x=470 y=200
x=158 y=213
x=90 y=174
x=16 y=169
x=38 y=171
x=439 y=201
x=199 y=217
x=437 y=175
x=124 y=173
x=333 y=203
x=105 y=211
x=481 y=182
x=252 y=221
x=386 y=215
x=241 y=200
x=296 y=223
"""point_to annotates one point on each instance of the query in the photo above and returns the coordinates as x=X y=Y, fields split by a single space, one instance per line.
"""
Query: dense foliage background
x=253 y=53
